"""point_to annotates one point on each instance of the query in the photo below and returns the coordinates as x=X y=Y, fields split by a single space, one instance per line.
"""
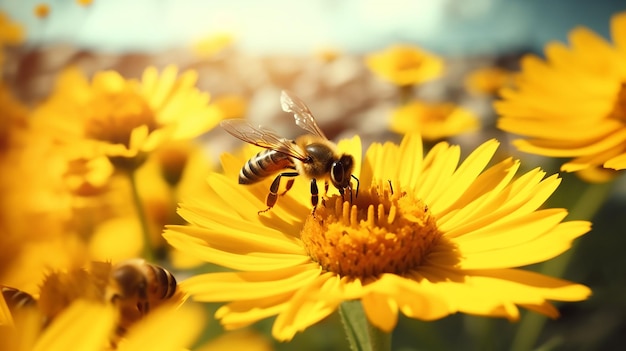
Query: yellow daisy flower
x=107 y=298
x=212 y=45
x=573 y=102
x=488 y=80
x=433 y=120
x=405 y=65
x=10 y=32
x=425 y=237
x=123 y=118
x=84 y=3
x=87 y=325
x=42 y=10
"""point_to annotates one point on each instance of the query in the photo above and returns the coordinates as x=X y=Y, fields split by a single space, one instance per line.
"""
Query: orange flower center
x=112 y=117
x=381 y=232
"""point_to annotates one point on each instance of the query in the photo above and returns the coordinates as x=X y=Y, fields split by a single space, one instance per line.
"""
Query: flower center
x=113 y=116
x=619 y=110
x=381 y=232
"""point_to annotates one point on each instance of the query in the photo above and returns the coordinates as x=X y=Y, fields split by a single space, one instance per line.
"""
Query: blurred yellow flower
x=426 y=237
x=107 y=298
x=87 y=325
x=36 y=205
x=212 y=45
x=248 y=340
x=84 y=3
x=488 y=80
x=573 y=103
x=10 y=32
x=231 y=106
x=42 y=10
x=327 y=54
x=84 y=325
x=433 y=120
x=405 y=65
x=123 y=118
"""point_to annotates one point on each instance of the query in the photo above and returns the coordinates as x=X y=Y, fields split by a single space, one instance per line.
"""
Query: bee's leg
x=272 y=197
x=325 y=193
x=288 y=186
x=357 y=185
x=314 y=194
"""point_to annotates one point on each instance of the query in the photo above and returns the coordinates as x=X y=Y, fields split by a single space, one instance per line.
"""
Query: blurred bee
x=140 y=285
x=311 y=155
x=16 y=299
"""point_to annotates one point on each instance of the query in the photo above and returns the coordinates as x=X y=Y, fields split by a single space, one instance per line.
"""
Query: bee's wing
x=263 y=137
x=302 y=114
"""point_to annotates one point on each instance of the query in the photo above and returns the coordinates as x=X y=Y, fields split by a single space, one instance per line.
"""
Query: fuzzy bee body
x=141 y=285
x=311 y=155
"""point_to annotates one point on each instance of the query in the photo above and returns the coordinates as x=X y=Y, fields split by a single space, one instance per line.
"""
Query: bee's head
x=341 y=172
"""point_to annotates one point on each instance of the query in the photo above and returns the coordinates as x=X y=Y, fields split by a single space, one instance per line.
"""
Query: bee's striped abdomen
x=166 y=286
x=262 y=165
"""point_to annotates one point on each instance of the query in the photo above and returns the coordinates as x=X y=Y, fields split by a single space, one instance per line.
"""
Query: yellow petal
x=165 y=328
x=381 y=310
x=303 y=311
x=227 y=286
x=618 y=31
x=68 y=331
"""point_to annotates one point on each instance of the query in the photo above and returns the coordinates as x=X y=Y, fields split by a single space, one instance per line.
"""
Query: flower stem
x=362 y=335
x=590 y=201
x=148 y=252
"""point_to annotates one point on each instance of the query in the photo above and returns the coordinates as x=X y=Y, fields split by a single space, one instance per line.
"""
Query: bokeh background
x=247 y=51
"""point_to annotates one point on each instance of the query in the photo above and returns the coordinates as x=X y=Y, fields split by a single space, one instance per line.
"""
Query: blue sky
x=446 y=26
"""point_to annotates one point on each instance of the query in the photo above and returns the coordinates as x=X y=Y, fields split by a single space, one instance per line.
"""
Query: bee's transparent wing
x=263 y=137
x=302 y=114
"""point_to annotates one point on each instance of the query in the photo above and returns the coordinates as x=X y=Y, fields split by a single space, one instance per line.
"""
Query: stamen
x=383 y=231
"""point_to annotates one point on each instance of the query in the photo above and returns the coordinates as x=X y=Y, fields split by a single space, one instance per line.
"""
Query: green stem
x=586 y=207
x=406 y=93
x=362 y=335
x=148 y=252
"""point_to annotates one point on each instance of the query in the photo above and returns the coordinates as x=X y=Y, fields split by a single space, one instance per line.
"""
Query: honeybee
x=139 y=285
x=311 y=155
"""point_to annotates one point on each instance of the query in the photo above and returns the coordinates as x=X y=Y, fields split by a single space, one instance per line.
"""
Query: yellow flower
x=10 y=32
x=433 y=120
x=84 y=3
x=87 y=325
x=212 y=45
x=573 y=103
x=488 y=80
x=107 y=300
x=248 y=340
x=405 y=65
x=123 y=118
x=82 y=326
x=42 y=10
x=231 y=106
x=426 y=237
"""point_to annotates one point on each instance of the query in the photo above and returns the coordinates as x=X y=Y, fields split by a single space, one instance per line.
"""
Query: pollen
x=384 y=230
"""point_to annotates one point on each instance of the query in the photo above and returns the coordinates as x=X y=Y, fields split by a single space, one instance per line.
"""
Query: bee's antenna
x=390 y=186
